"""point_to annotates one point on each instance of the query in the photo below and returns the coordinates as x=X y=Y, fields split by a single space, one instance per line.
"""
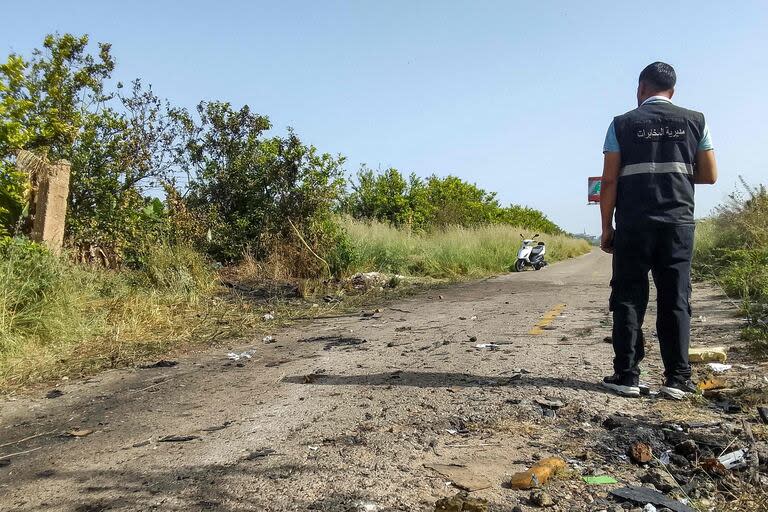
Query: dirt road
x=344 y=413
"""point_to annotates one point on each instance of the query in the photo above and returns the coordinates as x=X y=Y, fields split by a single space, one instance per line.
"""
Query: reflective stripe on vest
x=656 y=168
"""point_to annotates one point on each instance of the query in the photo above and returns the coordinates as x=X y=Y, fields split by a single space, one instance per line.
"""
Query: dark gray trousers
x=664 y=250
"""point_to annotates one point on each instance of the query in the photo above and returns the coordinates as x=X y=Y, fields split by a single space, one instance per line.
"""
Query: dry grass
x=452 y=253
x=61 y=319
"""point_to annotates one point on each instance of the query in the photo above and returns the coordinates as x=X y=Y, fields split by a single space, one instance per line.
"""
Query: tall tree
x=252 y=187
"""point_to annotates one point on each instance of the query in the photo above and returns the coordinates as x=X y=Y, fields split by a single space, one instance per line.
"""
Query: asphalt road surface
x=344 y=413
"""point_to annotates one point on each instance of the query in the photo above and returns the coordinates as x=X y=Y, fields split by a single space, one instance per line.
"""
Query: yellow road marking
x=547 y=319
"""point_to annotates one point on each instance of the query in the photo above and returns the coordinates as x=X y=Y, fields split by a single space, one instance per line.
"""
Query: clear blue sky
x=515 y=96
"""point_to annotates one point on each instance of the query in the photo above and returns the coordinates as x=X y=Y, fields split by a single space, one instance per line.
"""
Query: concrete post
x=51 y=205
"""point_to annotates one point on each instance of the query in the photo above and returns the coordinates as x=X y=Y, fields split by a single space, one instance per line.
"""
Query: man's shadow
x=443 y=380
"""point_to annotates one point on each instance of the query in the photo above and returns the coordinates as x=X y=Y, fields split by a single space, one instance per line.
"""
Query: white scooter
x=530 y=254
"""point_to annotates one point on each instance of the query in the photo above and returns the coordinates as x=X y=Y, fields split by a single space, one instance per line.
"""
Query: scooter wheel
x=519 y=265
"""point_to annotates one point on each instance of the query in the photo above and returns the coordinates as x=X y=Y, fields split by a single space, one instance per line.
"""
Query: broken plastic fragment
x=719 y=367
x=538 y=474
x=242 y=355
x=599 y=480
x=734 y=460
x=706 y=354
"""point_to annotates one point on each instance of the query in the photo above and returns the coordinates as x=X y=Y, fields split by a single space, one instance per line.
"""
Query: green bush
x=434 y=203
x=732 y=249
x=62 y=318
x=41 y=299
x=176 y=269
x=250 y=187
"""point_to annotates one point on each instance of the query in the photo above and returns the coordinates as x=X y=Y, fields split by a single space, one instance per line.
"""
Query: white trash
x=242 y=355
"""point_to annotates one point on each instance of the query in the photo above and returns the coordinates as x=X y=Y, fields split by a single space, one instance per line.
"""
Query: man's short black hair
x=659 y=75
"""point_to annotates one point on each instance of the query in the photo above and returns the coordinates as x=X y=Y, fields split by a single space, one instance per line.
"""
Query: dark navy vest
x=658 y=143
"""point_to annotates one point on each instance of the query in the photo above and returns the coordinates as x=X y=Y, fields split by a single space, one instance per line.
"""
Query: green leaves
x=251 y=185
x=434 y=203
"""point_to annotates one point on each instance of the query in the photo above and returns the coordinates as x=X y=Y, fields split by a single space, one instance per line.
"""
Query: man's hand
x=606 y=240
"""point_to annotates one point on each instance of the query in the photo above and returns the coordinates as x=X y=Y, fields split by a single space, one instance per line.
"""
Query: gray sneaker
x=677 y=389
x=625 y=386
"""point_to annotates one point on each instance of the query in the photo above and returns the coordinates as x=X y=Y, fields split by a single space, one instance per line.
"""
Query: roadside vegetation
x=453 y=253
x=732 y=250
x=166 y=202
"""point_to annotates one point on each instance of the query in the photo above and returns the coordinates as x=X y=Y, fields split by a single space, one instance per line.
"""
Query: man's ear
x=671 y=92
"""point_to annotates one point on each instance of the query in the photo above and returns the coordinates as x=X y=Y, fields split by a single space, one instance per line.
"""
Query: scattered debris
x=583 y=332
x=330 y=299
x=719 y=367
x=163 y=363
x=461 y=477
x=660 y=479
x=461 y=502
x=311 y=377
x=549 y=404
x=710 y=384
x=242 y=355
x=177 y=439
x=734 y=460
x=649 y=508
x=541 y=499
x=365 y=280
x=217 y=427
x=490 y=346
x=268 y=316
x=640 y=453
x=608 y=339
x=687 y=448
x=599 y=480
x=538 y=474
x=762 y=410
x=367 y=506
x=141 y=443
x=334 y=341
x=403 y=328
x=643 y=495
x=713 y=467
x=707 y=354
x=54 y=393
x=79 y=432
x=268 y=339
x=261 y=453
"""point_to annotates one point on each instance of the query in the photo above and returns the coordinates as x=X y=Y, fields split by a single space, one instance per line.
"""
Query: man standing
x=653 y=156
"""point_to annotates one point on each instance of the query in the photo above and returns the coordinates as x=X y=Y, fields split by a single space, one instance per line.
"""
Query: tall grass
x=451 y=253
x=732 y=248
x=58 y=318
